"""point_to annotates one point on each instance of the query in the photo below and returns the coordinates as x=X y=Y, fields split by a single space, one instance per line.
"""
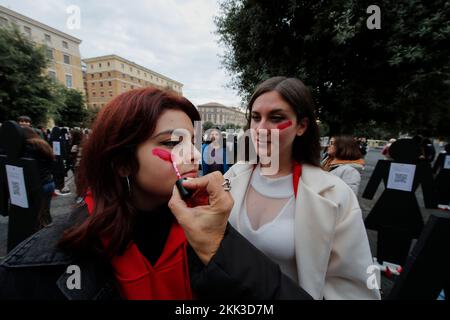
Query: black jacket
x=45 y=165
x=37 y=269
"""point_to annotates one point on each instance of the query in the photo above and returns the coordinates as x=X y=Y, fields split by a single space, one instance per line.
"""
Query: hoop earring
x=129 y=187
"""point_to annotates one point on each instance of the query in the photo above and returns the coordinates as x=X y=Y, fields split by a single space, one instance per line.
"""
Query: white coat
x=331 y=246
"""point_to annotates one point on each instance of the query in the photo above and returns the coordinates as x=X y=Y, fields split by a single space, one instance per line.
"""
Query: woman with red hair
x=134 y=236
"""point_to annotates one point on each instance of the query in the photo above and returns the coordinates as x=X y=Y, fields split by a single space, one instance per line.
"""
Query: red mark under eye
x=163 y=154
x=284 y=125
x=166 y=156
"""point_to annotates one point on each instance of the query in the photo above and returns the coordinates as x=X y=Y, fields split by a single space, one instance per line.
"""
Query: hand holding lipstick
x=204 y=224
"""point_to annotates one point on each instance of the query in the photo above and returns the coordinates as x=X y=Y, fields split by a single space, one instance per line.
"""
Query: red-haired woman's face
x=156 y=177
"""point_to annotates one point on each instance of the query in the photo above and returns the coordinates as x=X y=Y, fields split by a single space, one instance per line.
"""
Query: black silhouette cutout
x=396 y=214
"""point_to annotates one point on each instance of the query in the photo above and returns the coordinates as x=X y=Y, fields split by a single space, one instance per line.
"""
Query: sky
x=173 y=37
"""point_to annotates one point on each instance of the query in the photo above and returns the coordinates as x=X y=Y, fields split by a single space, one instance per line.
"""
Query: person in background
x=38 y=149
x=75 y=151
x=362 y=146
x=326 y=158
x=429 y=151
x=214 y=153
x=345 y=161
x=24 y=121
x=385 y=150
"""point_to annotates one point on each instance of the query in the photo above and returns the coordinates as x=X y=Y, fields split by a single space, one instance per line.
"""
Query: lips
x=190 y=174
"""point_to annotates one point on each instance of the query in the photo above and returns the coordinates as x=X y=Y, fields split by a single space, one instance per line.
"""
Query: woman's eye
x=255 y=118
x=277 y=119
x=170 y=144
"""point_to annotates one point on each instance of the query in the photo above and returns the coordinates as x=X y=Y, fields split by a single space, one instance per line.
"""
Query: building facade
x=62 y=49
x=220 y=115
x=108 y=76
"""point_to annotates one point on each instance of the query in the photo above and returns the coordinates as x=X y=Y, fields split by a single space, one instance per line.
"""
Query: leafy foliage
x=396 y=77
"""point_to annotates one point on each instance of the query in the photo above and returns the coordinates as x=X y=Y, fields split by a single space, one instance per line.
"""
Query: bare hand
x=204 y=225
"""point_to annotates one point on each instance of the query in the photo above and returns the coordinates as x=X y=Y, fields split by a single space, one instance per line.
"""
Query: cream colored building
x=108 y=76
x=62 y=49
x=220 y=115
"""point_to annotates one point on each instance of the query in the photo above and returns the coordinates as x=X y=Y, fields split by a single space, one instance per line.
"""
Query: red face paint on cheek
x=166 y=156
x=162 y=154
x=284 y=125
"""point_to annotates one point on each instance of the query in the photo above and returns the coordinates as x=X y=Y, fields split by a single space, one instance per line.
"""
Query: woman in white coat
x=305 y=219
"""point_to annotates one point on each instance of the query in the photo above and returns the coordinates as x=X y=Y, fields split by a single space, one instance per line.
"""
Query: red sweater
x=168 y=279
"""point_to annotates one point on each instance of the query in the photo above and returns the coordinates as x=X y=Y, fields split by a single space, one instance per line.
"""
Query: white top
x=267 y=219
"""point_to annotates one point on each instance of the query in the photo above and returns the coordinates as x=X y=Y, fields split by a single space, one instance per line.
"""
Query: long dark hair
x=346 y=148
x=124 y=123
x=40 y=145
x=306 y=148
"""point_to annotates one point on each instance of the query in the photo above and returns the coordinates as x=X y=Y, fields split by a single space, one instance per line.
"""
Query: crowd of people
x=297 y=233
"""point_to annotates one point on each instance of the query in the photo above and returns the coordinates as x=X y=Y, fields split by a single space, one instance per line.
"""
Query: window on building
x=101 y=84
x=48 y=38
x=109 y=83
x=131 y=69
x=27 y=31
x=92 y=66
x=92 y=76
x=93 y=84
x=109 y=74
x=50 y=53
x=108 y=64
x=52 y=75
x=110 y=93
x=65 y=45
x=132 y=87
x=99 y=65
x=124 y=85
x=68 y=81
x=145 y=75
x=139 y=80
x=94 y=93
x=131 y=78
x=95 y=105
x=100 y=74
x=123 y=75
x=102 y=93
x=66 y=59
x=122 y=66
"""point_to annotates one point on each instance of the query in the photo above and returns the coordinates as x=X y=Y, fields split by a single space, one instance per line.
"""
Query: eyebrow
x=272 y=111
x=169 y=131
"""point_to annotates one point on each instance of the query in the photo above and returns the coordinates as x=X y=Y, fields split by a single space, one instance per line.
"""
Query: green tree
x=71 y=110
x=24 y=90
x=207 y=125
x=396 y=77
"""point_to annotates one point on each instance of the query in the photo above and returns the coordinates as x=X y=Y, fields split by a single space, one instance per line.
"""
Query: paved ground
x=61 y=205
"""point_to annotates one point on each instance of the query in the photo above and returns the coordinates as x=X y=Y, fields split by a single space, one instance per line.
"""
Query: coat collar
x=312 y=177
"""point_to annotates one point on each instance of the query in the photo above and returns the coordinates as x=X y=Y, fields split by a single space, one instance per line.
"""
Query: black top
x=45 y=164
x=151 y=231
